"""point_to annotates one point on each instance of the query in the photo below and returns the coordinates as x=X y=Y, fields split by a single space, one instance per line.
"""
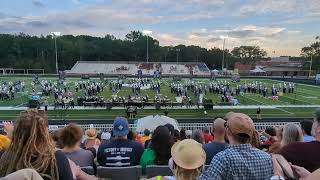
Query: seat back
x=88 y=169
x=158 y=170
x=119 y=173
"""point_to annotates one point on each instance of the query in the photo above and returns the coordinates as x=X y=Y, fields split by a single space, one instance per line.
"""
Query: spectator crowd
x=232 y=149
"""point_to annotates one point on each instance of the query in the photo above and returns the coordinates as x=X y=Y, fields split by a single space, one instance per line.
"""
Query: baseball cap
x=240 y=123
x=188 y=154
x=120 y=127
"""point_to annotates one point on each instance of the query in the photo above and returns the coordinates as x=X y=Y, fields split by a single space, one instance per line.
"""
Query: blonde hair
x=31 y=146
x=187 y=174
x=291 y=133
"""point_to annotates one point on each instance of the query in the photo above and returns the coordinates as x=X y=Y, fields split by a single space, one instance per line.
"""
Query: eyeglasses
x=226 y=125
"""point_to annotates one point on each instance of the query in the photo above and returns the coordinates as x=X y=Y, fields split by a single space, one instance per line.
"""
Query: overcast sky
x=281 y=27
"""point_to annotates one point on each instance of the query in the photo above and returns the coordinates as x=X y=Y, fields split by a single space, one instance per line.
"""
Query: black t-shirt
x=64 y=169
x=120 y=153
x=212 y=149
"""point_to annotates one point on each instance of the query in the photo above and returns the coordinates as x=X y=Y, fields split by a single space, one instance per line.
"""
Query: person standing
x=45 y=103
x=258 y=113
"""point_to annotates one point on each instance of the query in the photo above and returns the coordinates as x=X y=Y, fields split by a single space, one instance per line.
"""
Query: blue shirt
x=239 y=162
x=307 y=138
x=120 y=153
x=212 y=149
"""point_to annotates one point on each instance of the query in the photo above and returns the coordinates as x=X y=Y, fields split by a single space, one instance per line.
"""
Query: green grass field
x=177 y=114
x=305 y=95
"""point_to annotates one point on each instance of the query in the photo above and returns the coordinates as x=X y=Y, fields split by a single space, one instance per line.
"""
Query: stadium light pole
x=147 y=32
x=165 y=54
x=178 y=50
x=310 y=68
x=224 y=41
x=55 y=34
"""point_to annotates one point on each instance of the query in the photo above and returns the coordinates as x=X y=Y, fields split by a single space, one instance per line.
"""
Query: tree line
x=22 y=51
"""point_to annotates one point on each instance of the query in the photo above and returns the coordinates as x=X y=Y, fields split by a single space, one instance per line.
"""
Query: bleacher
x=131 y=68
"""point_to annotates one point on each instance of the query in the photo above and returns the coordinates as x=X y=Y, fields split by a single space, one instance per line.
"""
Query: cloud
x=76 y=1
x=38 y=3
x=251 y=31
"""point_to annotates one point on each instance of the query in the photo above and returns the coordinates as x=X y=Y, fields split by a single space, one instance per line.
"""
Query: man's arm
x=216 y=169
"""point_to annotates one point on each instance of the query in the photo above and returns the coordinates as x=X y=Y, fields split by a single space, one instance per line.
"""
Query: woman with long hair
x=159 y=152
x=291 y=133
x=32 y=147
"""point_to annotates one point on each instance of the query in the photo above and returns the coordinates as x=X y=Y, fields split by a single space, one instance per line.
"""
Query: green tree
x=312 y=51
x=248 y=54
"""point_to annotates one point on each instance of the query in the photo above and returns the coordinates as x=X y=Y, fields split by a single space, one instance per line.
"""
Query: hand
x=301 y=171
x=8 y=128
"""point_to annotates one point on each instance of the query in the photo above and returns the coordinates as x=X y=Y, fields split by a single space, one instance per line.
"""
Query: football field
x=301 y=103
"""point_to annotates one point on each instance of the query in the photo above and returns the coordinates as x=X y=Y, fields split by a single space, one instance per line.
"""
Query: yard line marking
x=285 y=111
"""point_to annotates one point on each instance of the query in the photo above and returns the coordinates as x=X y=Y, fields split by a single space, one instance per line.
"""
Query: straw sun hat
x=91 y=133
x=188 y=154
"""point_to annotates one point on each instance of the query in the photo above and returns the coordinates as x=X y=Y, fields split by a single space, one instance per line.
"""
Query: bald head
x=218 y=123
x=218 y=127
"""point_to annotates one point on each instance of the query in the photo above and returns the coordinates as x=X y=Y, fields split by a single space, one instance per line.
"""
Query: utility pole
x=224 y=41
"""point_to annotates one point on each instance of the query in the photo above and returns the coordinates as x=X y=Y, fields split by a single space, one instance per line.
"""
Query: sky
x=281 y=27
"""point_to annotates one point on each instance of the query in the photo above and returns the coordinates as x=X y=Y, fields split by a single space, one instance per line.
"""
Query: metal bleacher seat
x=158 y=170
x=88 y=169
x=119 y=173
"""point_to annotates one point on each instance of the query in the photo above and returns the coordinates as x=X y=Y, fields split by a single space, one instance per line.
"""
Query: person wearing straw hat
x=187 y=162
x=239 y=160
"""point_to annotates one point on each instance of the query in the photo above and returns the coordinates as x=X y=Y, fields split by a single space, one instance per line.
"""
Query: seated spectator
x=146 y=136
x=176 y=135
x=305 y=154
x=197 y=135
x=271 y=134
x=306 y=126
x=91 y=139
x=133 y=136
x=207 y=136
x=32 y=147
x=171 y=129
x=120 y=151
x=55 y=136
x=188 y=134
x=240 y=160
x=70 y=138
x=276 y=146
x=105 y=137
x=159 y=152
x=183 y=134
x=218 y=144
x=5 y=139
x=188 y=159
x=291 y=133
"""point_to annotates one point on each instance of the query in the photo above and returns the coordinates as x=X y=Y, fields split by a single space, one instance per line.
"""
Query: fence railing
x=186 y=126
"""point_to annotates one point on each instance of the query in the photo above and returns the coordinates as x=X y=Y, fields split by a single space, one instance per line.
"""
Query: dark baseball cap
x=120 y=127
